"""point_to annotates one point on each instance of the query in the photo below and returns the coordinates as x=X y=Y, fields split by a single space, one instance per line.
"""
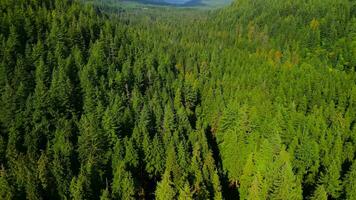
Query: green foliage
x=165 y=188
x=123 y=185
x=257 y=99
x=185 y=193
x=320 y=193
x=154 y=157
x=105 y=195
x=80 y=187
x=285 y=185
x=350 y=182
x=5 y=188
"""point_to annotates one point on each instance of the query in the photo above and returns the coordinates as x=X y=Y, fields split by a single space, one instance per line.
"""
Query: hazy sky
x=177 y=1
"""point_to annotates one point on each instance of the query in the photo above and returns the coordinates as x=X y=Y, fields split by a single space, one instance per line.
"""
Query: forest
x=255 y=100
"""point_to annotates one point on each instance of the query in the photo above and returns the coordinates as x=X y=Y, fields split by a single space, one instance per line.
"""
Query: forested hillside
x=253 y=101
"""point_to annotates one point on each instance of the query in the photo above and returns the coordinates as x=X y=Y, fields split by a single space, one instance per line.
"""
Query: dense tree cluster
x=253 y=101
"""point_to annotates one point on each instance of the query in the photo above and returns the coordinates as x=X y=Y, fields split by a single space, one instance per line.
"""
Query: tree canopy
x=256 y=100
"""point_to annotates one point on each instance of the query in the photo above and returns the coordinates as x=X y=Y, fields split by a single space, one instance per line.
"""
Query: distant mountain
x=205 y=3
x=190 y=2
x=170 y=1
x=175 y=2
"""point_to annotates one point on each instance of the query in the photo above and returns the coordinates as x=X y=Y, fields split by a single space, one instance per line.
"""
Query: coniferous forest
x=255 y=100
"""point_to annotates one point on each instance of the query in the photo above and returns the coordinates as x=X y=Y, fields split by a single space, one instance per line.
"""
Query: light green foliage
x=285 y=185
x=123 y=185
x=217 y=187
x=185 y=193
x=80 y=187
x=331 y=180
x=320 y=193
x=350 y=183
x=165 y=189
x=154 y=157
x=105 y=195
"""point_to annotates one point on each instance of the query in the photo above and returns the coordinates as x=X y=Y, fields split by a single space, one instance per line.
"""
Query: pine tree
x=168 y=122
x=331 y=180
x=185 y=193
x=80 y=187
x=217 y=186
x=6 y=191
x=62 y=151
x=199 y=186
x=43 y=171
x=154 y=157
x=254 y=192
x=113 y=121
x=131 y=153
x=319 y=193
x=123 y=186
x=61 y=89
x=350 y=183
x=12 y=50
x=165 y=189
x=172 y=165
x=248 y=176
x=285 y=184
x=105 y=195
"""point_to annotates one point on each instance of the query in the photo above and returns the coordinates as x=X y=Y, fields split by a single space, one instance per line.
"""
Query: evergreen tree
x=105 y=194
x=255 y=99
x=320 y=193
x=6 y=191
x=350 y=182
x=165 y=189
x=185 y=193
x=123 y=186
x=285 y=184
x=331 y=180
